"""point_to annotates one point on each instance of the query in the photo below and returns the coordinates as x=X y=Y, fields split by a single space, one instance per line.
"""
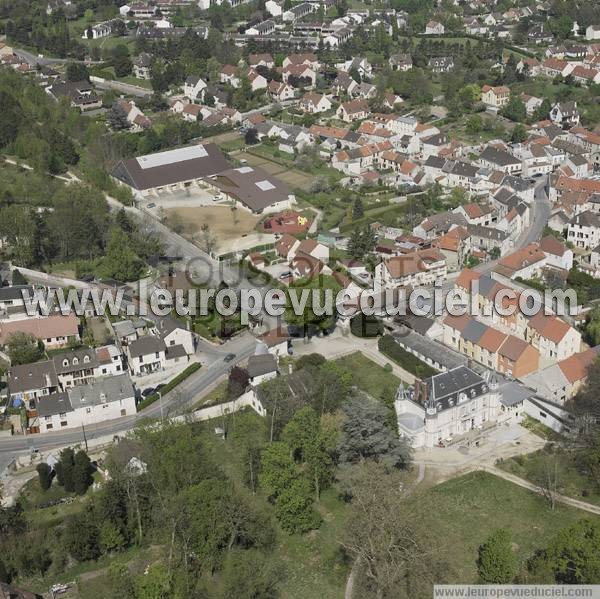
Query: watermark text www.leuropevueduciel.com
x=253 y=297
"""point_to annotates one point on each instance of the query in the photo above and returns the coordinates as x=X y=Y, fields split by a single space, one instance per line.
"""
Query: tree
x=77 y=71
x=237 y=382
x=82 y=472
x=362 y=241
x=305 y=438
x=250 y=574
x=572 y=557
x=365 y=434
x=497 y=562
x=116 y=117
x=11 y=117
x=64 y=469
x=81 y=537
x=287 y=488
x=519 y=133
x=121 y=262
x=44 y=476
x=392 y=553
x=153 y=584
x=121 y=61
x=24 y=348
x=251 y=137
x=358 y=210
x=474 y=124
x=514 y=110
x=208 y=241
x=110 y=538
x=317 y=292
x=363 y=325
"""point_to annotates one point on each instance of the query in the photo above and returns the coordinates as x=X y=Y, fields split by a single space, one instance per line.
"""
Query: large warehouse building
x=204 y=165
x=171 y=170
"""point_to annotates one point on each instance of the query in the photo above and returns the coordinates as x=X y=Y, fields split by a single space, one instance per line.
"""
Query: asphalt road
x=123 y=88
x=172 y=403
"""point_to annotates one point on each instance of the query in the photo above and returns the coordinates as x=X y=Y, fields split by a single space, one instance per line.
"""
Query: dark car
x=148 y=391
x=229 y=357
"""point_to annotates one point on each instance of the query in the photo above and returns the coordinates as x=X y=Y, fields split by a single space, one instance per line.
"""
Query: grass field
x=369 y=376
x=291 y=176
x=571 y=480
x=464 y=511
x=219 y=218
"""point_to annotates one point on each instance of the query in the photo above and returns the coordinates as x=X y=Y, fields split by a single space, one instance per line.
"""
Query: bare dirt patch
x=224 y=223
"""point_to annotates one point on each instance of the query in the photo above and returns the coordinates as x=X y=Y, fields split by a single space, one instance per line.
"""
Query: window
x=86 y=359
x=104 y=371
x=65 y=362
x=123 y=412
x=88 y=410
x=105 y=406
x=48 y=427
x=63 y=423
x=63 y=415
x=156 y=355
x=75 y=361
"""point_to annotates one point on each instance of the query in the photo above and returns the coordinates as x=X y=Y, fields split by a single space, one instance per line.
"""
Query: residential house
x=229 y=74
x=499 y=159
x=81 y=94
x=146 y=355
x=98 y=401
x=565 y=114
x=137 y=120
x=261 y=368
x=434 y=28
x=261 y=29
x=353 y=110
x=280 y=91
x=583 y=230
x=194 y=87
x=141 y=65
x=400 y=62
x=441 y=64
x=314 y=103
x=419 y=268
x=495 y=97
x=265 y=60
x=55 y=331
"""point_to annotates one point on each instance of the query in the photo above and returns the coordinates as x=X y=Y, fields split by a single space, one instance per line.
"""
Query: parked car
x=229 y=357
x=148 y=391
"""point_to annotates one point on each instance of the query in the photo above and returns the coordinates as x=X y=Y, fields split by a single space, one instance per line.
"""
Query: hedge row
x=184 y=374
x=387 y=345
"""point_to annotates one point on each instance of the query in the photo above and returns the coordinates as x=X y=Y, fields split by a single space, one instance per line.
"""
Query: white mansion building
x=444 y=405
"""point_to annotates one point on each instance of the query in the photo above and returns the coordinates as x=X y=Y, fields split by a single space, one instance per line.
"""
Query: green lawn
x=465 y=510
x=218 y=394
x=571 y=479
x=369 y=376
x=313 y=564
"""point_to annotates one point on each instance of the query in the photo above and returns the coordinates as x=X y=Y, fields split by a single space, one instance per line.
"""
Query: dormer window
x=75 y=361
x=65 y=362
x=86 y=359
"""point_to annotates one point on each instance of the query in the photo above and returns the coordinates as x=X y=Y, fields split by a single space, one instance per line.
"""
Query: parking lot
x=192 y=197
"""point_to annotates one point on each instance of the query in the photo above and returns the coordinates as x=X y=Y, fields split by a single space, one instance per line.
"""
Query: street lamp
x=161 y=405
